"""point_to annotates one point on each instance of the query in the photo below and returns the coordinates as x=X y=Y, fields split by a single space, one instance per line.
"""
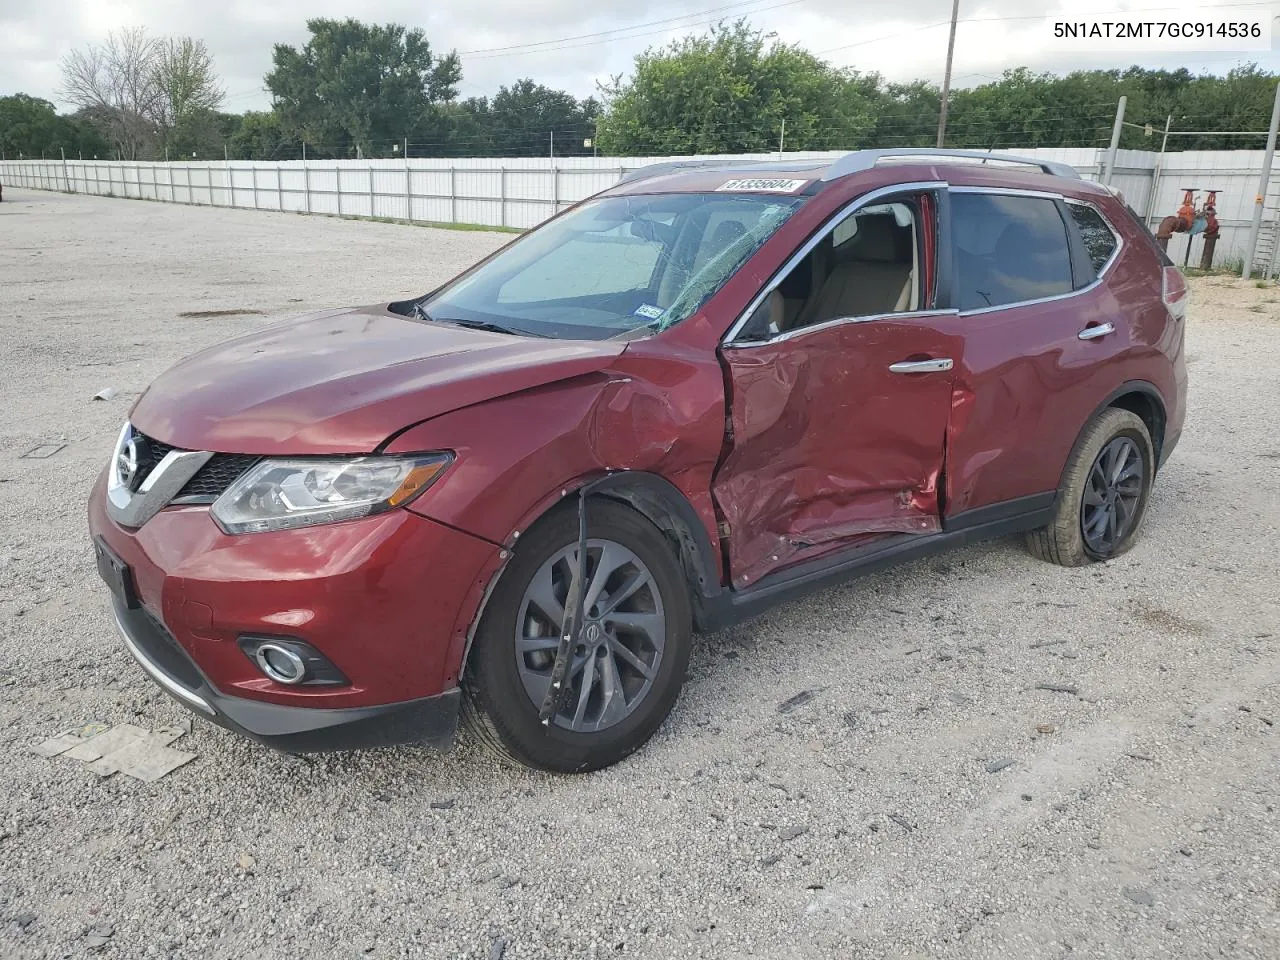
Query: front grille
x=221 y=470
x=153 y=451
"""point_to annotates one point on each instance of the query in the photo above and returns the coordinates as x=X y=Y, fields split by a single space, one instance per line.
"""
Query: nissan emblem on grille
x=128 y=460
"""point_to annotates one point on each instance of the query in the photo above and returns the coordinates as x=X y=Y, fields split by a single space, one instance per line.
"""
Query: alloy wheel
x=1112 y=496
x=619 y=647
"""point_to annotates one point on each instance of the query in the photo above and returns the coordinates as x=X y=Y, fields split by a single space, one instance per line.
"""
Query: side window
x=868 y=264
x=1098 y=239
x=1008 y=249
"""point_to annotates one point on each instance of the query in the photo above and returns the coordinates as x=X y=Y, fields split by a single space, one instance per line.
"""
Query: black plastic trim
x=1016 y=516
x=430 y=720
x=1007 y=509
x=662 y=502
x=1149 y=389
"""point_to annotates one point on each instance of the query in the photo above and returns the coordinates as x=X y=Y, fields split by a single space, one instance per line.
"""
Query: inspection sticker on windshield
x=649 y=311
x=763 y=185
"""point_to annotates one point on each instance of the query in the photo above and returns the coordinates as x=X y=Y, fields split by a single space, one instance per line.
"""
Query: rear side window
x=1098 y=239
x=1009 y=249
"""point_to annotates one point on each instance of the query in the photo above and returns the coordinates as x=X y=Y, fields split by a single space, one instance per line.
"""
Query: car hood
x=344 y=381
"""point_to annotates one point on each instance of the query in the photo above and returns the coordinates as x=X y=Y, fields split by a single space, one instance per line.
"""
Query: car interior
x=868 y=265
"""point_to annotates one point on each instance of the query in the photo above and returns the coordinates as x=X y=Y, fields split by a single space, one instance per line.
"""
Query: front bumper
x=430 y=720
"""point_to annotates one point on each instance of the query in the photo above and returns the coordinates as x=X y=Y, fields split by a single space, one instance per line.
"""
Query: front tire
x=1104 y=493
x=633 y=652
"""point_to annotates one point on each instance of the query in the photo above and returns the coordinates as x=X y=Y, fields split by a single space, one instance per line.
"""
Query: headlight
x=283 y=494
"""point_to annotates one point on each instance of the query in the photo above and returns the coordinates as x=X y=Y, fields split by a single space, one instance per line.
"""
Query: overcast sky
x=901 y=39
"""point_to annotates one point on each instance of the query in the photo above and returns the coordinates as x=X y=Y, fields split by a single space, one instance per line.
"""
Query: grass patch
x=433 y=224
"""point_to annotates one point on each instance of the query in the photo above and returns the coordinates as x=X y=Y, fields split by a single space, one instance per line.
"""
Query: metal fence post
x=555 y=190
x=1115 y=142
x=1264 y=185
x=253 y=181
x=453 y=193
x=337 y=181
x=373 y=211
x=306 y=180
x=502 y=195
x=280 y=188
x=408 y=184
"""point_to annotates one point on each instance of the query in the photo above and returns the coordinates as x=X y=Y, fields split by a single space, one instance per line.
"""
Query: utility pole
x=782 y=137
x=1115 y=142
x=552 y=154
x=1264 y=184
x=946 y=77
x=225 y=155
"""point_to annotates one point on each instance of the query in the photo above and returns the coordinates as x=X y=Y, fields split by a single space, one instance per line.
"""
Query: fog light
x=280 y=663
x=291 y=662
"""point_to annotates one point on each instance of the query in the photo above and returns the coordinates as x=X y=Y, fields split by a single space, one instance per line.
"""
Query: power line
x=565 y=45
x=601 y=33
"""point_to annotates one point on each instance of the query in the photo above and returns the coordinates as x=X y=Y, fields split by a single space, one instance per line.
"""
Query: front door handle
x=1101 y=330
x=922 y=366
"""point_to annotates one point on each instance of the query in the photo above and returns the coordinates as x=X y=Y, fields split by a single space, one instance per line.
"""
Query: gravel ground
x=1136 y=819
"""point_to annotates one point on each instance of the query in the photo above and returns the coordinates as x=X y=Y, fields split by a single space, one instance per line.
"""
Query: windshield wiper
x=420 y=312
x=486 y=326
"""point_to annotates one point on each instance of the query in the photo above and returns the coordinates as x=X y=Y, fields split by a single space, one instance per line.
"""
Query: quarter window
x=1009 y=249
x=1098 y=239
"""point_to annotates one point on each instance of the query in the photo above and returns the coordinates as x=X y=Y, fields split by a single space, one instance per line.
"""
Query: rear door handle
x=1093 y=333
x=922 y=366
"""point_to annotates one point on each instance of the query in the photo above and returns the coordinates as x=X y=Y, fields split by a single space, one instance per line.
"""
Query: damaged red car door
x=836 y=426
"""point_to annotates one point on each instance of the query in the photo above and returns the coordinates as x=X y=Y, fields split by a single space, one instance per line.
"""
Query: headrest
x=876 y=239
x=726 y=233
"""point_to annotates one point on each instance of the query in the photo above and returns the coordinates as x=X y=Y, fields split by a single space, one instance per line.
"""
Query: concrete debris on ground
x=136 y=752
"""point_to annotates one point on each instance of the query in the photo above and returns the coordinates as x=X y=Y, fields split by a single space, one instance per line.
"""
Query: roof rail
x=861 y=160
x=671 y=166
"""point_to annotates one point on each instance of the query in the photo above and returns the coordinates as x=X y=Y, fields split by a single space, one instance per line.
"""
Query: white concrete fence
x=521 y=193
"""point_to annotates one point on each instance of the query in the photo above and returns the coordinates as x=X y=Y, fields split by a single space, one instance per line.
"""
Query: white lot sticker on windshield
x=763 y=185
x=649 y=311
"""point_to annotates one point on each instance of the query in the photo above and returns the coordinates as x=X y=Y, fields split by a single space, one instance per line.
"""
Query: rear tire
x=1104 y=493
x=503 y=685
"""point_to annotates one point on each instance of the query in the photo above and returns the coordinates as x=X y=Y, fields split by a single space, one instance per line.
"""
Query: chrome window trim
x=1042 y=195
x=867 y=199
x=841 y=321
x=1008 y=192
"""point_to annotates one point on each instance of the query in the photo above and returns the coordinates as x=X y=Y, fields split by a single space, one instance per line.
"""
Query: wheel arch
x=660 y=502
x=1140 y=397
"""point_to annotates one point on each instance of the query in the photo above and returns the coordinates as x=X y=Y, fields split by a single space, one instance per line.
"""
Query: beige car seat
x=868 y=275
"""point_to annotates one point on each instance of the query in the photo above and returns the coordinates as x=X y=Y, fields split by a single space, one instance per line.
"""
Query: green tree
x=259 y=136
x=189 y=95
x=730 y=90
x=356 y=87
x=522 y=119
x=30 y=127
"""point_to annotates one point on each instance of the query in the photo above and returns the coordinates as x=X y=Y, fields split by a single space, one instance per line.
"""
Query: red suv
x=713 y=387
